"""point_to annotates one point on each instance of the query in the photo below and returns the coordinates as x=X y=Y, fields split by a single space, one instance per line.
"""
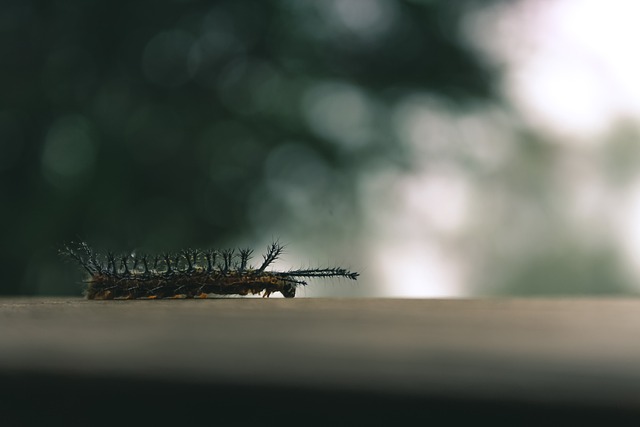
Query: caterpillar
x=190 y=273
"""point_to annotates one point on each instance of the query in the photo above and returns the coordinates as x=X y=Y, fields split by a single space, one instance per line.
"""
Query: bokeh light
x=69 y=152
x=441 y=149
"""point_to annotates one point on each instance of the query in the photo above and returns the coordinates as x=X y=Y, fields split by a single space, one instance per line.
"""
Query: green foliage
x=153 y=123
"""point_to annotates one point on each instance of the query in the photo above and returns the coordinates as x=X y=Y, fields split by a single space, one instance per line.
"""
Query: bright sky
x=572 y=65
x=571 y=68
x=578 y=74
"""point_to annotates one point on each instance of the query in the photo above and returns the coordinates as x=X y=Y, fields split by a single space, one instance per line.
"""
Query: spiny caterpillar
x=190 y=273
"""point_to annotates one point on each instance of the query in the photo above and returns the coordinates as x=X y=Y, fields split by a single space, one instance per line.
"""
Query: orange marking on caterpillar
x=189 y=274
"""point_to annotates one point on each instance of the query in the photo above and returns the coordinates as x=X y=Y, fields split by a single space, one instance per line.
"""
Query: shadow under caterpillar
x=190 y=273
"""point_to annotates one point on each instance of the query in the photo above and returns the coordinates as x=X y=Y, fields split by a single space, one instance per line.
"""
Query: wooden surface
x=283 y=361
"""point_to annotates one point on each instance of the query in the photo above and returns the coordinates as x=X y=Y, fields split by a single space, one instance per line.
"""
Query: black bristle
x=184 y=275
x=245 y=255
x=273 y=252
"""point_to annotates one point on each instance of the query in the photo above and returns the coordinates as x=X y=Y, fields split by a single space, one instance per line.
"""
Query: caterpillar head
x=288 y=290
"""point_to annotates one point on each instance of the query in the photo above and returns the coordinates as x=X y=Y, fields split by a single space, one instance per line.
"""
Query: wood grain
x=498 y=356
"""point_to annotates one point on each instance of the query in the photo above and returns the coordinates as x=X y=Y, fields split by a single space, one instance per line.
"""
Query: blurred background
x=441 y=149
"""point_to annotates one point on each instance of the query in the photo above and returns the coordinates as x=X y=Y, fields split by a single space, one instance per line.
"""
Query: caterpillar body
x=190 y=273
